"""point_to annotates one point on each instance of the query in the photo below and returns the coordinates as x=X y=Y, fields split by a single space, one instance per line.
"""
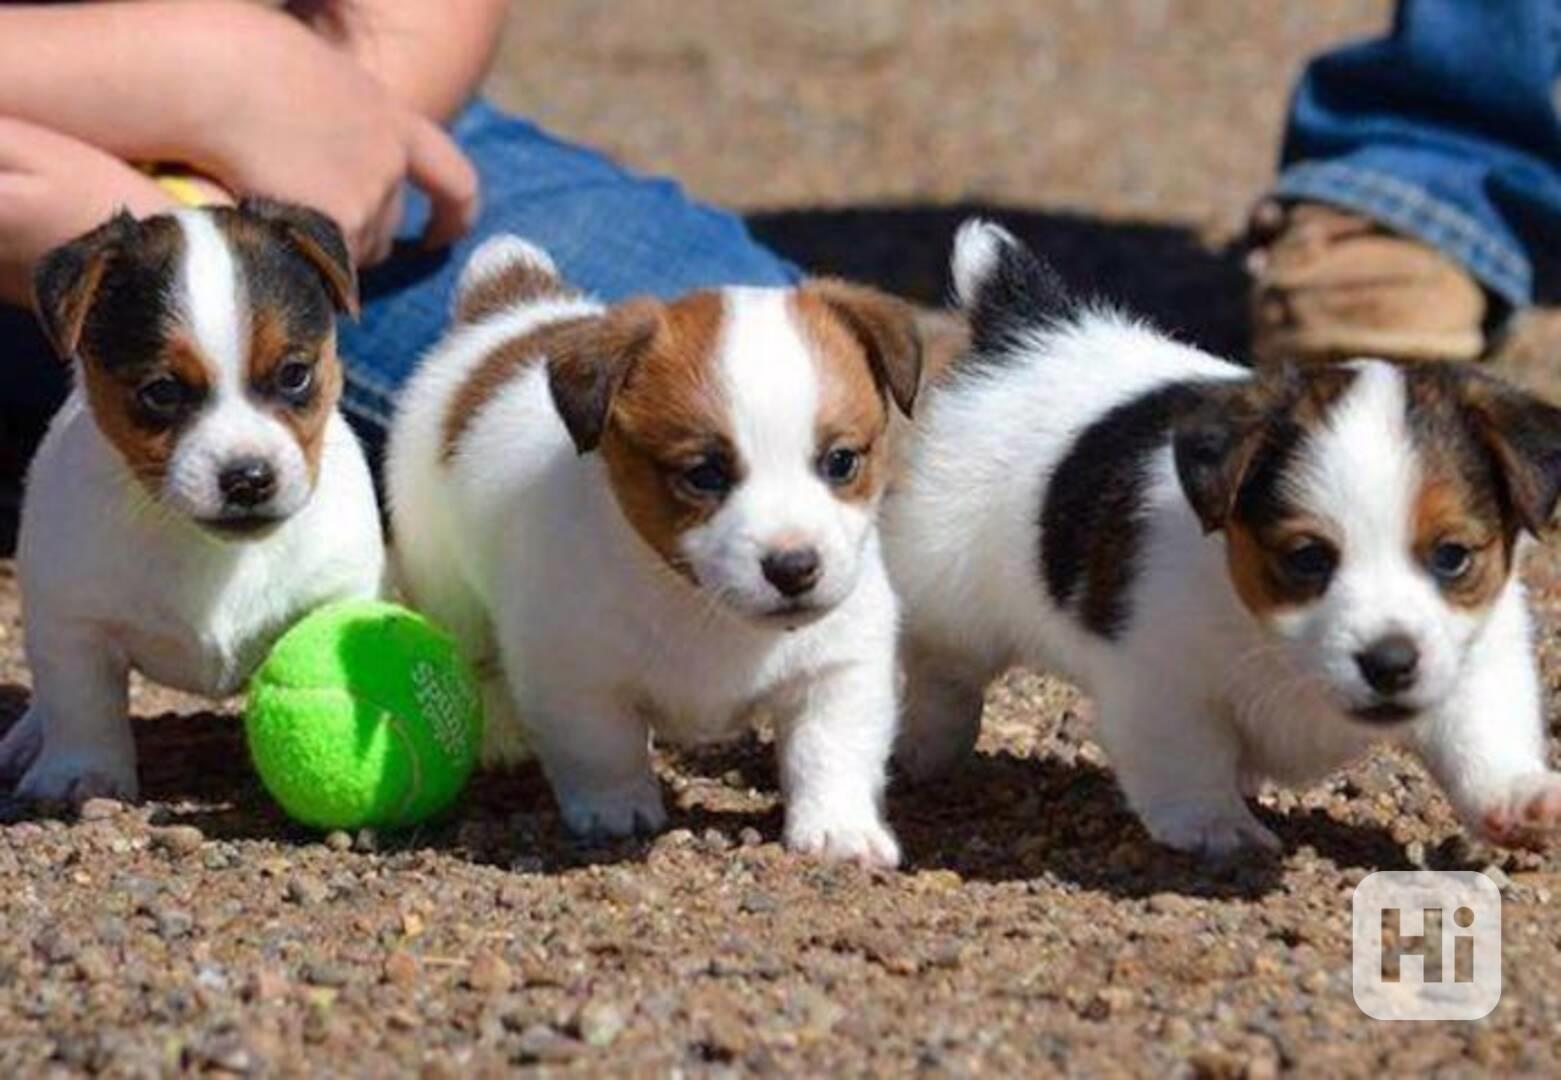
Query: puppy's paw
x=1213 y=831
x=20 y=746
x=75 y=776
x=1526 y=814
x=860 y=836
x=624 y=810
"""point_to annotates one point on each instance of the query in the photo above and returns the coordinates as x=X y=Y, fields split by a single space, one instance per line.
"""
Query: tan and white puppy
x=1255 y=576
x=198 y=491
x=663 y=517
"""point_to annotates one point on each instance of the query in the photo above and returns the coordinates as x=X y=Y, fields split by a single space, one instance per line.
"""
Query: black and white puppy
x=1254 y=575
x=198 y=491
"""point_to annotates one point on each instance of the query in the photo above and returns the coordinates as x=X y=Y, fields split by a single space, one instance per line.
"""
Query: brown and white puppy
x=1255 y=576
x=198 y=491
x=663 y=516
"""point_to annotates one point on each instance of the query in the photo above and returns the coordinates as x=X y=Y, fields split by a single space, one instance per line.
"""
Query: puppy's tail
x=1003 y=287
x=504 y=273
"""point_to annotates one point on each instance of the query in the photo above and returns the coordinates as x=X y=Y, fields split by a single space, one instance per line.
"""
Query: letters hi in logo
x=1427 y=945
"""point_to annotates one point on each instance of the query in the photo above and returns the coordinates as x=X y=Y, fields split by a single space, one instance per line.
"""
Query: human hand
x=52 y=189
x=292 y=118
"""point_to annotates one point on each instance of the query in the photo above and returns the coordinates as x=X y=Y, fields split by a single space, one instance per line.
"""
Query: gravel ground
x=1034 y=929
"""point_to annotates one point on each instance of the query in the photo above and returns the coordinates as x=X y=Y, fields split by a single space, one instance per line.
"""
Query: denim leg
x=611 y=232
x=1445 y=130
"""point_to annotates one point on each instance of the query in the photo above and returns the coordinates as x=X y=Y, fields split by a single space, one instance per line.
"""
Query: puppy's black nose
x=247 y=483
x=793 y=571
x=1389 y=664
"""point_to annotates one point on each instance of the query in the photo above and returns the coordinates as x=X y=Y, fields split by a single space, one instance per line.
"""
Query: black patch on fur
x=1093 y=514
x=278 y=278
x=1021 y=294
x=126 y=326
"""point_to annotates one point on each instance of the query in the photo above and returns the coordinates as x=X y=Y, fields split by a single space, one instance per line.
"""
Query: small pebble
x=178 y=839
x=321 y=973
x=675 y=838
x=337 y=840
x=93 y=965
x=489 y=974
x=306 y=890
x=757 y=903
x=713 y=841
x=600 y=1021
x=750 y=837
x=402 y=968
x=939 y=880
x=173 y=923
x=101 y=809
x=544 y=1044
x=268 y=984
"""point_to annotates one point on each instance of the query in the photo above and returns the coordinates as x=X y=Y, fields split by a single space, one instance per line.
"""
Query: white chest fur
x=99 y=560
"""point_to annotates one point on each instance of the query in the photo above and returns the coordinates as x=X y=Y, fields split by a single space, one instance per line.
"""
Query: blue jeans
x=610 y=231
x=1445 y=130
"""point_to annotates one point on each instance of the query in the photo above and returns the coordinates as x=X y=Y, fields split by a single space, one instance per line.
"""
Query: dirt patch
x=1035 y=929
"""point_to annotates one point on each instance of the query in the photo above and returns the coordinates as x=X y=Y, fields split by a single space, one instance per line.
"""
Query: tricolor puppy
x=1254 y=576
x=198 y=491
x=663 y=517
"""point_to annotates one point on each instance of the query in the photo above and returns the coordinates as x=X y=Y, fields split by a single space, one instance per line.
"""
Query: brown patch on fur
x=852 y=414
x=1253 y=559
x=270 y=348
x=668 y=413
x=507 y=287
x=145 y=444
x=284 y=256
x=1465 y=496
x=1446 y=511
x=503 y=364
x=1232 y=454
x=884 y=326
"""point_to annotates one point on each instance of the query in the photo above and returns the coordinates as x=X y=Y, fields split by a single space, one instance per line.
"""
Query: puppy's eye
x=1450 y=561
x=708 y=478
x=1310 y=562
x=164 y=397
x=840 y=465
x=294 y=380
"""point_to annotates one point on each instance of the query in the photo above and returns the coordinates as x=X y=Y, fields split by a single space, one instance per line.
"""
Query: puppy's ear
x=1523 y=436
x=317 y=238
x=1214 y=444
x=66 y=280
x=588 y=360
x=885 y=326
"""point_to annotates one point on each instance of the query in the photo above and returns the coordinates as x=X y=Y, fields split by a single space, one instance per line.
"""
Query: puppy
x=663 y=517
x=198 y=491
x=1254 y=576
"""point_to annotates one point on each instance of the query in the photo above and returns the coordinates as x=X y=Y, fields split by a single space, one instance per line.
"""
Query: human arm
x=53 y=188
x=242 y=93
x=430 y=56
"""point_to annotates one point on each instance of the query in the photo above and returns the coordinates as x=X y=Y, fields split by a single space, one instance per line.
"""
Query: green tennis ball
x=364 y=714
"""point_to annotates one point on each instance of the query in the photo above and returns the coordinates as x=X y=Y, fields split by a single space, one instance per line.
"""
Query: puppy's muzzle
x=246 y=485
x=792 y=571
x=1390 y=666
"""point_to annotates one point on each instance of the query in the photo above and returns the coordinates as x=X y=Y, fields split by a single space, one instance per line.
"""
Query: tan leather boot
x=1328 y=284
